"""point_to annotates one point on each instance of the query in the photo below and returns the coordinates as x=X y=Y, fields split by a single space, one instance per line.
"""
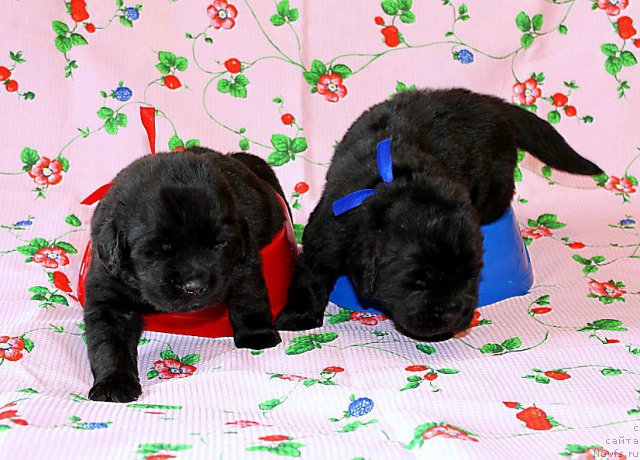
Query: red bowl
x=278 y=260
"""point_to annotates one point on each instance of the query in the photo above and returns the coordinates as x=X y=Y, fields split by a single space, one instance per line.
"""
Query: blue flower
x=23 y=223
x=464 y=56
x=131 y=13
x=622 y=222
x=122 y=93
x=360 y=407
x=93 y=425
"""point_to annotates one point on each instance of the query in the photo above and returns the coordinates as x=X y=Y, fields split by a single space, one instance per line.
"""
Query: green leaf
x=546 y=172
x=517 y=174
x=167 y=58
x=244 y=144
x=208 y=40
x=59 y=299
x=60 y=27
x=537 y=21
x=311 y=77
x=581 y=259
x=38 y=297
x=28 y=344
x=628 y=59
x=39 y=243
x=553 y=117
x=78 y=40
x=175 y=142
x=38 y=290
x=408 y=17
x=512 y=343
x=400 y=87
x=613 y=65
x=598 y=259
x=224 y=86
x=342 y=70
x=610 y=371
x=125 y=22
x=298 y=230
x=105 y=113
x=411 y=386
x=66 y=246
x=297 y=348
x=294 y=14
x=281 y=142
x=152 y=374
x=526 y=40
x=563 y=29
x=491 y=348
x=73 y=220
x=122 y=120
x=318 y=67
x=182 y=64
x=169 y=354
x=190 y=359
x=164 y=70
x=111 y=126
x=28 y=390
x=237 y=90
x=298 y=145
x=350 y=427
x=323 y=338
x=192 y=143
x=463 y=9
x=29 y=156
x=446 y=370
x=278 y=158
x=63 y=44
x=242 y=80
x=608 y=325
x=283 y=8
x=523 y=21
x=407 y=4
x=277 y=20
x=427 y=349
x=414 y=378
x=609 y=49
x=389 y=7
x=270 y=404
x=542 y=379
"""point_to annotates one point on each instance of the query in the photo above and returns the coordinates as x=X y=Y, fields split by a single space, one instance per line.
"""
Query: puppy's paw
x=116 y=387
x=289 y=320
x=257 y=340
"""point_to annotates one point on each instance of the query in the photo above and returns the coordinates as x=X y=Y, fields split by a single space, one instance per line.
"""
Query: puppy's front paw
x=290 y=320
x=257 y=340
x=116 y=387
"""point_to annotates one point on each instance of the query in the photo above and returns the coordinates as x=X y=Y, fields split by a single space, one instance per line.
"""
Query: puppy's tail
x=539 y=138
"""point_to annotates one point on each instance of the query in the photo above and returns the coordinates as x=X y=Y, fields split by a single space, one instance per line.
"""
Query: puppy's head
x=175 y=245
x=422 y=260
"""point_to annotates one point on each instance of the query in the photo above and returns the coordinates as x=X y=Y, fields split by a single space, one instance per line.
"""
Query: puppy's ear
x=365 y=267
x=111 y=247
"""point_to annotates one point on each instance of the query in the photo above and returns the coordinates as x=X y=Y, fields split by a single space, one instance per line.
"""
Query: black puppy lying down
x=178 y=232
x=415 y=245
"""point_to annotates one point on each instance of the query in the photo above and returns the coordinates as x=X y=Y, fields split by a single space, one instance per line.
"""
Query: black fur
x=415 y=247
x=175 y=233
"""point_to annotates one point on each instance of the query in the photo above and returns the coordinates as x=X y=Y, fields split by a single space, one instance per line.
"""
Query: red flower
x=557 y=375
x=536 y=232
x=61 y=281
x=11 y=348
x=333 y=369
x=171 y=368
x=540 y=310
x=570 y=111
x=243 y=423
x=331 y=87
x=618 y=185
x=368 y=319
x=605 y=290
x=431 y=376
x=510 y=404
x=560 y=100
x=90 y=27
x=4 y=73
x=172 y=82
x=416 y=368
x=301 y=188
x=51 y=257
x=46 y=172
x=222 y=14
x=625 y=27
x=476 y=319
x=576 y=245
x=527 y=92
x=233 y=65
x=8 y=414
x=379 y=20
x=612 y=7
x=11 y=86
x=287 y=119
x=274 y=437
x=391 y=36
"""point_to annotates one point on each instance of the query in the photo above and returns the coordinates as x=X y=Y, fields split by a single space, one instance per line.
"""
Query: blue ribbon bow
x=355 y=199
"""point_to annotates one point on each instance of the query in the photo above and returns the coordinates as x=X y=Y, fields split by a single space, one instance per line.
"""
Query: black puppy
x=177 y=232
x=415 y=246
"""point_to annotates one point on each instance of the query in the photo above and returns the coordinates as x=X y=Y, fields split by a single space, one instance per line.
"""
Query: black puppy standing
x=178 y=232
x=415 y=246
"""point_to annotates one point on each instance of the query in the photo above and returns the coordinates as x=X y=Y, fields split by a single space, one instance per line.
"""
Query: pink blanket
x=554 y=373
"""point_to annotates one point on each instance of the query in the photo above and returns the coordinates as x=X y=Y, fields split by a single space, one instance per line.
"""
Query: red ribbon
x=98 y=194
x=148 y=118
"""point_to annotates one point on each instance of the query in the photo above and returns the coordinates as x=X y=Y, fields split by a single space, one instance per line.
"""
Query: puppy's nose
x=193 y=286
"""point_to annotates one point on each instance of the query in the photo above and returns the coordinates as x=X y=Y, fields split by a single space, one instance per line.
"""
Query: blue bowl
x=507 y=268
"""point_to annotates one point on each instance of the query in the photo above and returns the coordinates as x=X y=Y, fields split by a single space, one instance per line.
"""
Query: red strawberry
x=570 y=111
x=430 y=377
x=287 y=118
x=540 y=310
x=333 y=369
x=560 y=100
x=379 y=21
x=19 y=421
x=79 y=10
x=233 y=65
x=301 y=188
x=12 y=86
x=172 y=82
x=576 y=245
x=90 y=28
x=530 y=414
x=178 y=149
x=159 y=457
x=539 y=424
x=625 y=27
x=416 y=368
x=4 y=73
x=608 y=341
x=636 y=43
x=391 y=36
x=274 y=437
x=556 y=375
x=61 y=281
x=8 y=414
x=511 y=404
